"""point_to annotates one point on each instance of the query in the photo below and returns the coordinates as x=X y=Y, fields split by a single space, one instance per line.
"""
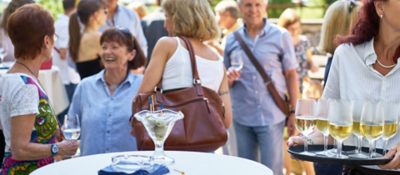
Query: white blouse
x=178 y=71
x=352 y=77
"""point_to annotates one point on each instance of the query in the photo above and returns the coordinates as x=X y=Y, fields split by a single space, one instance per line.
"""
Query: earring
x=381 y=16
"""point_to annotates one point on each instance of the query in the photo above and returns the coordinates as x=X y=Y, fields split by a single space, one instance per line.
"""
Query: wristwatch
x=54 y=149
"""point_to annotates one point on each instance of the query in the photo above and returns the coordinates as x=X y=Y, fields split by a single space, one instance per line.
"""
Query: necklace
x=26 y=67
x=384 y=66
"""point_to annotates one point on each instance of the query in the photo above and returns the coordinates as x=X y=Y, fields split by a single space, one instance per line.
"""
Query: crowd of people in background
x=107 y=53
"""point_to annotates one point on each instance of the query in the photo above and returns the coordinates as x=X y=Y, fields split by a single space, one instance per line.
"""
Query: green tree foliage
x=54 y=6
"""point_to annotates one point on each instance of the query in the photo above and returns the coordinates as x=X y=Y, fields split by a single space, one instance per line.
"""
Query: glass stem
x=371 y=144
x=305 y=144
x=325 y=143
x=385 y=143
x=359 y=141
x=339 y=148
x=159 y=148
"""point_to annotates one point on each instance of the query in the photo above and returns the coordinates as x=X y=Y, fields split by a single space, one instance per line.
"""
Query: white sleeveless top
x=178 y=72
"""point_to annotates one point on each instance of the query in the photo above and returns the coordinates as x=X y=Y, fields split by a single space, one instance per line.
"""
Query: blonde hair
x=192 y=18
x=288 y=17
x=340 y=12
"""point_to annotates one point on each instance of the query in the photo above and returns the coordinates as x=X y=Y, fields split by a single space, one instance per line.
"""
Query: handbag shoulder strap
x=252 y=58
x=195 y=73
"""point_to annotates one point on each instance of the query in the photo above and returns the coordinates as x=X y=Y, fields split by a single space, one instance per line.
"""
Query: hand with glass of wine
x=71 y=128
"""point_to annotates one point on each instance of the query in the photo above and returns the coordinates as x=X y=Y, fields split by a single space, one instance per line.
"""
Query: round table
x=191 y=163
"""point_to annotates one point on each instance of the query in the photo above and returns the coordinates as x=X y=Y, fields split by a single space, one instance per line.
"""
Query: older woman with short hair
x=29 y=124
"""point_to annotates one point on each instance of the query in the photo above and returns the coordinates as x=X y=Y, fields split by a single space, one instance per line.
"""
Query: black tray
x=297 y=152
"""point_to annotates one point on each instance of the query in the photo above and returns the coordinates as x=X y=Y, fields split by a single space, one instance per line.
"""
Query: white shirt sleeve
x=25 y=101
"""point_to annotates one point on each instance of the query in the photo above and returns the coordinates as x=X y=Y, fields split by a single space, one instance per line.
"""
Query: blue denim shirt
x=104 y=118
x=127 y=19
x=251 y=102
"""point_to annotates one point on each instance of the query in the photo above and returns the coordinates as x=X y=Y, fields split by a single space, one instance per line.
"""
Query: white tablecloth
x=191 y=163
x=51 y=83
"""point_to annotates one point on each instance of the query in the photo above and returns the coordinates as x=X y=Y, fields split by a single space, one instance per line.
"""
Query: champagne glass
x=358 y=106
x=340 y=116
x=158 y=125
x=321 y=113
x=305 y=120
x=71 y=127
x=237 y=60
x=372 y=123
x=391 y=121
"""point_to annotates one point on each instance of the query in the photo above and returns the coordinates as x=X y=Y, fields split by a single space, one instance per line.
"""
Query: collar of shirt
x=128 y=80
x=369 y=53
x=262 y=32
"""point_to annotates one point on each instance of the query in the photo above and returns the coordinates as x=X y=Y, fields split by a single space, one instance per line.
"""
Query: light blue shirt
x=104 y=118
x=127 y=19
x=251 y=102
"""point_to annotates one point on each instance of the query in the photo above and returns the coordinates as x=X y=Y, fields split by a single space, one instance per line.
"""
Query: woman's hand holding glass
x=340 y=117
x=71 y=129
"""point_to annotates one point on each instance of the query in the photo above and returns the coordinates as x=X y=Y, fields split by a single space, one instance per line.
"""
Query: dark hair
x=124 y=37
x=11 y=7
x=27 y=27
x=68 y=4
x=367 y=27
x=85 y=9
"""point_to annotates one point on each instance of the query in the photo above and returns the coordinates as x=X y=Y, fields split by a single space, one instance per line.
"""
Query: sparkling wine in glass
x=305 y=120
x=371 y=125
x=340 y=117
x=158 y=125
x=236 y=60
x=391 y=122
x=71 y=127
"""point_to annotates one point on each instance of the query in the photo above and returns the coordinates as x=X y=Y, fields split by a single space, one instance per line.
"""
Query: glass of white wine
x=71 y=127
x=358 y=106
x=236 y=60
x=371 y=125
x=305 y=119
x=391 y=121
x=322 y=123
x=340 y=117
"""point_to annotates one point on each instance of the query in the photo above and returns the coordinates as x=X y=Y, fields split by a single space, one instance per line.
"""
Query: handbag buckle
x=196 y=81
x=157 y=89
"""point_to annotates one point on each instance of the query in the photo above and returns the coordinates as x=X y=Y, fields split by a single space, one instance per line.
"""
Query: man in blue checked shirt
x=258 y=122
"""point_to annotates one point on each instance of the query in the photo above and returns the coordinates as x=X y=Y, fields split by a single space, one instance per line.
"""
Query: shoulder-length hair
x=367 y=27
x=192 y=18
x=343 y=12
x=288 y=17
x=124 y=37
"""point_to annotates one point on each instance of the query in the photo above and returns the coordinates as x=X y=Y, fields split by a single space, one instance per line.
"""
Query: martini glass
x=158 y=125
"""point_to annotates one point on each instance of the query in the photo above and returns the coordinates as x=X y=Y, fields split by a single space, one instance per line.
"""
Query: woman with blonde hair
x=170 y=61
x=345 y=13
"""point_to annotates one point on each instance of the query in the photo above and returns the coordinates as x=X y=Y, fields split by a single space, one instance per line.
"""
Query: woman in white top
x=170 y=59
x=365 y=66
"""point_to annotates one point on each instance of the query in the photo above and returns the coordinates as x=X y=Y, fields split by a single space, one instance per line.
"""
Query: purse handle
x=195 y=74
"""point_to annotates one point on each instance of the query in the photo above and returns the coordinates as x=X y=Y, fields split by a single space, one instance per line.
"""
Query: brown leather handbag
x=202 y=128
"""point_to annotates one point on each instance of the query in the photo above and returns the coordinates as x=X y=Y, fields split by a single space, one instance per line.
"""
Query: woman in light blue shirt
x=103 y=101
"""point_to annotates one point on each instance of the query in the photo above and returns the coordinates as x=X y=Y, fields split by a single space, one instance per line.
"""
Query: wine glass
x=358 y=106
x=371 y=125
x=158 y=125
x=305 y=120
x=391 y=121
x=340 y=117
x=237 y=60
x=71 y=127
x=321 y=113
